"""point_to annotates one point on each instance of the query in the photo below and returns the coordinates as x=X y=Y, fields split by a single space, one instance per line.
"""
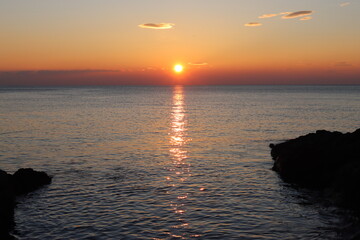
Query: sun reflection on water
x=180 y=169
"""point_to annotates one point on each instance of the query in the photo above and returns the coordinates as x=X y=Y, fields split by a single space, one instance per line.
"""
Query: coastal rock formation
x=328 y=161
x=22 y=181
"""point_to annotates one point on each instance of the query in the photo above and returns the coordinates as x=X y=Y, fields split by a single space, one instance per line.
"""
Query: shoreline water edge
x=23 y=181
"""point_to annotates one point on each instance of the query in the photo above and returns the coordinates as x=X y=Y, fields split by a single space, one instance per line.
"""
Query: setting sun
x=178 y=68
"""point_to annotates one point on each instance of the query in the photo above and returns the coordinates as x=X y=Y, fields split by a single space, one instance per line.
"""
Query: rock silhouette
x=328 y=161
x=22 y=181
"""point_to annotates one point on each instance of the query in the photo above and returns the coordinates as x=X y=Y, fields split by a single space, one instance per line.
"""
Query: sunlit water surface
x=168 y=162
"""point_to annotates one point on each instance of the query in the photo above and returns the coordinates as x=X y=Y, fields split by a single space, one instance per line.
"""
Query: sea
x=170 y=162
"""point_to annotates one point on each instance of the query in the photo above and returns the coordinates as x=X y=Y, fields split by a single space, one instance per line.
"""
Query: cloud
x=305 y=18
x=344 y=4
x=56 y=72
x=343 y=64
x=83 y=77
x=285 y=13
x=72 y=71
x=297 y=14
x=157 y=25
x=268 y=15
x=253 y=24
x=198 y=63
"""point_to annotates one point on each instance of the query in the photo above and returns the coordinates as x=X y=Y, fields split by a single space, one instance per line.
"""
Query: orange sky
x=138 y=42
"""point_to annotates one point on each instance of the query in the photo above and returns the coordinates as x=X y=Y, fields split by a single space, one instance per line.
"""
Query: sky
x=137 y=42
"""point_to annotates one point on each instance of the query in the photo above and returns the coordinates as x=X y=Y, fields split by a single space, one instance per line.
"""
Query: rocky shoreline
x=326 y=161
x=23 y=181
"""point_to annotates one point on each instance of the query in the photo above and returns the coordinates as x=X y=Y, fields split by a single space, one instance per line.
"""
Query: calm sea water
x=169 y=162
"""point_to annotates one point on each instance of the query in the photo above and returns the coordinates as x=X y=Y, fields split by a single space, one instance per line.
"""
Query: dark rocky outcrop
x=21 y=182
x=328 y=161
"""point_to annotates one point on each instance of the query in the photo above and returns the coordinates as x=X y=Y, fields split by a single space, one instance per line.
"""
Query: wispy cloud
x=302 y=15
x=305 y=18
x=285 y=13
x=343 y=64
x=157 y=25
x=344 y=4
x=268 y=15
x=253 y=24
x=297 y=14
x=198 y=63
x=43 y=72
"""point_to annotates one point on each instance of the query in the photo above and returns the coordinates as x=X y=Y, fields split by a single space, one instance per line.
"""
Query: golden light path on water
x=180 y=168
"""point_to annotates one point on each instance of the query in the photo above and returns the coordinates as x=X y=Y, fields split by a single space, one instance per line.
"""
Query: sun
x=178 y=68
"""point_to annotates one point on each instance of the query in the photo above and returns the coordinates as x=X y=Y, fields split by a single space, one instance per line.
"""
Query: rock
x=27 y=180
x=22 y=181
x=7 y=204
x=328 y=161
